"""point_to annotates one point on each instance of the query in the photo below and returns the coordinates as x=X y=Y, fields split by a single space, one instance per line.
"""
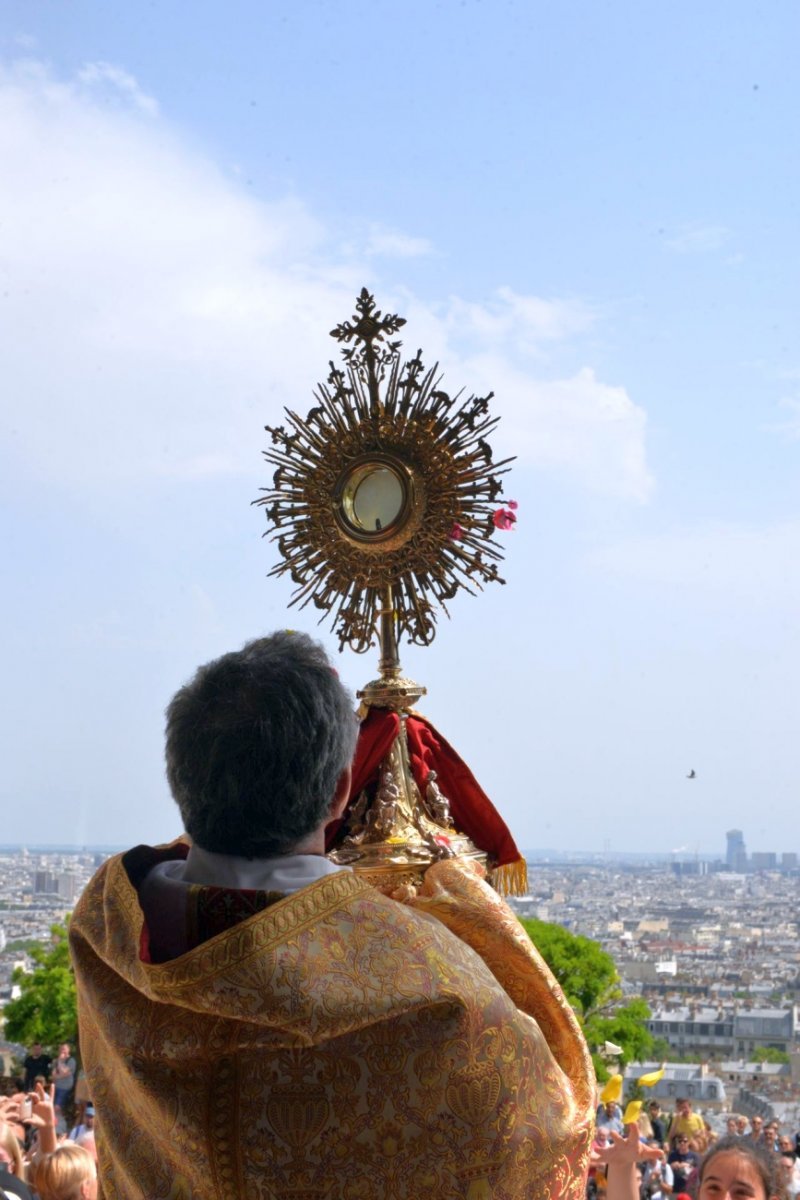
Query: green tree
x=624 y=1026
x=770 y=1054
x=22 y=946
x=46 y=1010
x=661 y=1050
x=589 y=980
x=586 y=973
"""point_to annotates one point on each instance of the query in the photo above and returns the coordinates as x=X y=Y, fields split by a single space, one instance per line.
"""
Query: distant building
x=763 y=860
x=736 y=856
x=68 y=886
x=773 y=1028
x=694 y=1029
x=789 y=860
x=695 y=867
x=45 y=883
x=703 y=1030
x=754 y=1076
x=668 y=966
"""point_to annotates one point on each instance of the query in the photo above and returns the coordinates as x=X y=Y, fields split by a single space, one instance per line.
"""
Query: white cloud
x=790 y=428
x=390 y=243
x=728 y=563
x=523 y=322
x=579 y=426
x=109 y=79
x=589 y=431
x=154 y=314
x=699 y=239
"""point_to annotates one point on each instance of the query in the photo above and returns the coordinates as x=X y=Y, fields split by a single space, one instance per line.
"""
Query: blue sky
x=591 y=209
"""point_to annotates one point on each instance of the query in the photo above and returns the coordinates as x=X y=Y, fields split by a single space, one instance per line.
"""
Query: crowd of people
x=674 y=1153
x=43 y=1154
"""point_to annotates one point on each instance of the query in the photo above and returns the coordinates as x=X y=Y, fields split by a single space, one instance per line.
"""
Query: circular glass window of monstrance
x=374 y=499
x=378 y=500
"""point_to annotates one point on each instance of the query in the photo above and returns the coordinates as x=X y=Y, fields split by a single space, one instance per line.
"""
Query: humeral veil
x=336 y=1044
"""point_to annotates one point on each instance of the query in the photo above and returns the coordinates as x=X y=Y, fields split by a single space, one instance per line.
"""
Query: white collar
x=286 y=873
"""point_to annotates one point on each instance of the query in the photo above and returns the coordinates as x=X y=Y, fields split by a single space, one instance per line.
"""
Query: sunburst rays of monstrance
x=384 y=504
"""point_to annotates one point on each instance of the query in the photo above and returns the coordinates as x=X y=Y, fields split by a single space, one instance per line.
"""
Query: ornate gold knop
x=388 y=482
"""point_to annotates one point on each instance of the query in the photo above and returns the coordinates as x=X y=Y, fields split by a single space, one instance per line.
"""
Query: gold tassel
x=511 y=879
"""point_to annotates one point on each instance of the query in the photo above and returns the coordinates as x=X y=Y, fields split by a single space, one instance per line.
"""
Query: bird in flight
x=692 y=774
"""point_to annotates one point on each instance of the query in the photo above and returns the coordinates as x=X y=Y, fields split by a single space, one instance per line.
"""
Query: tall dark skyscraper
x=736 y=856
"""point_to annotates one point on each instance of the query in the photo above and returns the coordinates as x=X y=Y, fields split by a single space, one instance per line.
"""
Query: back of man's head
x=256 y=744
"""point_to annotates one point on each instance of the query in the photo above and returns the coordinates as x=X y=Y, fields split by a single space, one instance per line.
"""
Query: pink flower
x=503 y=518
x=512 y=504
x=456 y=533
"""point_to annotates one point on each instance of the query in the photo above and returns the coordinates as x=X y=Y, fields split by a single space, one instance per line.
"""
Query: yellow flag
x=632 y=1112
x=612 y=1091
x=652 y=1078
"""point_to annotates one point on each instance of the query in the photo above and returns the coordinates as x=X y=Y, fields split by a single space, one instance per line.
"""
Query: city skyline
x=783 y=859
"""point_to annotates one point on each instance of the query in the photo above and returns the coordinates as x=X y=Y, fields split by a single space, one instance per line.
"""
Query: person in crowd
x=36 y=1063
x=622 y=1161
x=596 y=1178
x=732 y=1127
x=84 y=1126
x=609 y=1117
x=11 y=1114
x=395 y=1043
x=12 y=1168
x=786 y=1145
x=82 y=1096
x=756 y=1133
x=683 y=1161
x=684 y=1120
x=741 y=1126
x=645 y=1126
x=87 y=1140
x=33 y=1110
x=733 y=1169
x=790 y=1173
x=770 y=1135
x=657 y=1122
x=658 y=1181
x=703 y=1141
x=64 y=1075
x=69 y=1173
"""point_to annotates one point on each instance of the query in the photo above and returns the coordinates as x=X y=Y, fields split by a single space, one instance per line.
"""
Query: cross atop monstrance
x=384 y=503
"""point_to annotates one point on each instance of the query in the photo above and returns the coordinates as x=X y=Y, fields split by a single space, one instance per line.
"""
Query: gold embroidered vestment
x=338 y=1045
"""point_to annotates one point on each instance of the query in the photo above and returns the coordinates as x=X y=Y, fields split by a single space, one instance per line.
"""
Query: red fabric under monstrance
x=472 y=810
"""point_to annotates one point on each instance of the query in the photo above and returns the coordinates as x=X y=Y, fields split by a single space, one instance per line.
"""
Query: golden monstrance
x=384 y=502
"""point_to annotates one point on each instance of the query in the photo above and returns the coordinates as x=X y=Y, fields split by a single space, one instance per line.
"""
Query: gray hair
x=256 y=744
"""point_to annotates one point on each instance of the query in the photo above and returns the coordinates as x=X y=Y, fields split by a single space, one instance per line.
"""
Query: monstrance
x=384 y=503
